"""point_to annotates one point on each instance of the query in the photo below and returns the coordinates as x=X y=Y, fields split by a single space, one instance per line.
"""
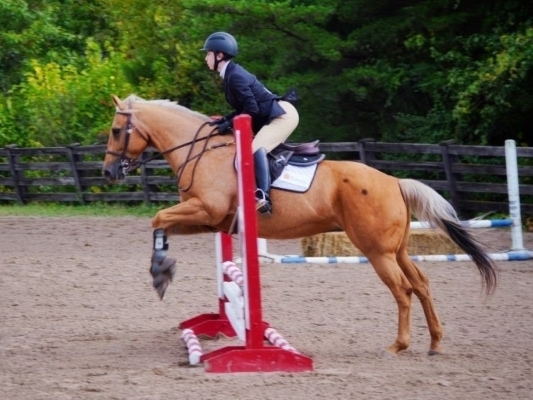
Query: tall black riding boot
x=262 y=178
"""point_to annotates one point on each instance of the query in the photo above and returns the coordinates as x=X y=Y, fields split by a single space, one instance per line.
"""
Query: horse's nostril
x=106 y=173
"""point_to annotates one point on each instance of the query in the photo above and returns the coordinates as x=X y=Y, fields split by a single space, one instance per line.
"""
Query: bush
x=58 y=105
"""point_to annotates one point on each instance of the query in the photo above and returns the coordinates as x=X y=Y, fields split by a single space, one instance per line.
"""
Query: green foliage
x=66 y=103
x=479 y=85
x=495 y=90
x=420 y=71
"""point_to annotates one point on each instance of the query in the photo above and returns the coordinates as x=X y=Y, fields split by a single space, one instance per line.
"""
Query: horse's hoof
x=163 y=273
x=435 y=352
x=167 y=265
x=161 y=284
x=387 y=355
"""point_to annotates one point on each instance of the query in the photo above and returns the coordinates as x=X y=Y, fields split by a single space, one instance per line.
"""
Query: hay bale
x=421 y=242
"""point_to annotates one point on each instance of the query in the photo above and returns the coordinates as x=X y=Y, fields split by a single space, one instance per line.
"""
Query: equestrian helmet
x=221 y=42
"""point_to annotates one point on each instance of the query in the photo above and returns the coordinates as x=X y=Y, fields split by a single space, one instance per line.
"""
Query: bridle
x=128 y=164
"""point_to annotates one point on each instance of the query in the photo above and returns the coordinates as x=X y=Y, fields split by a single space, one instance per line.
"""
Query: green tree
x=475 y=70
x=59 y=105
x=15 y=18
x=431 y=70
x=418 y=71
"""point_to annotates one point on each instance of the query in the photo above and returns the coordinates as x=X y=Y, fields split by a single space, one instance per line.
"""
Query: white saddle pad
x=295 y=179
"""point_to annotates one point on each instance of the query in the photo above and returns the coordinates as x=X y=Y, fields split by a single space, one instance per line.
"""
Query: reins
x=198 y=156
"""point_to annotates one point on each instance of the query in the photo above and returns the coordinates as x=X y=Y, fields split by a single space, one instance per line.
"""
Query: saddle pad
x=296 y=179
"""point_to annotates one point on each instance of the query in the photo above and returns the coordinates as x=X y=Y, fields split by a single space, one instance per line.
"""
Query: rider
x=273 y=119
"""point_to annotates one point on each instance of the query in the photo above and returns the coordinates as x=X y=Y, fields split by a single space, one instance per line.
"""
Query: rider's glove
x=224 y=127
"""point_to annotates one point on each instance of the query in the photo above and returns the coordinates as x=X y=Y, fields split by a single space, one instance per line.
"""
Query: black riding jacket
x=247 y=95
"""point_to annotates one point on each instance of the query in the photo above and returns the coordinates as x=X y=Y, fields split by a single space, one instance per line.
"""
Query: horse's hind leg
x=420 y=284
x=390 y=273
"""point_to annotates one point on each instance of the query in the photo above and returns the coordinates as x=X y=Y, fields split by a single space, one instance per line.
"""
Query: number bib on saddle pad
x=295 y=179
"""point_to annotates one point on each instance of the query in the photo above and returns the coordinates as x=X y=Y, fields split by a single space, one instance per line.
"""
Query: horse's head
x=126 y=143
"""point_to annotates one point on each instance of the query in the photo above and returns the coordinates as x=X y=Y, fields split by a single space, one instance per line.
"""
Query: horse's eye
x=115 y=131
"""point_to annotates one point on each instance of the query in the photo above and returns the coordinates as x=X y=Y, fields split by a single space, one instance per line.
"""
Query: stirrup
x=262 y=202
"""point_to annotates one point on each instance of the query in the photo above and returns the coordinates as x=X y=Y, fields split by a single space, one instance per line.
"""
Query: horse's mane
x=133 y=98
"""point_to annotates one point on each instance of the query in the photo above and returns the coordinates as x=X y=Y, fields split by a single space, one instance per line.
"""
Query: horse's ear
x=118 y=103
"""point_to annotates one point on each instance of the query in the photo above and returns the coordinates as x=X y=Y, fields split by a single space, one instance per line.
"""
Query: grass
x=93 y=210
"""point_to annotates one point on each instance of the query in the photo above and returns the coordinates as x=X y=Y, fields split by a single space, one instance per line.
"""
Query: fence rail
x=473 y=178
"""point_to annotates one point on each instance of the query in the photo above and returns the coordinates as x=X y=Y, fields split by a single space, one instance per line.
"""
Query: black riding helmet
x=221 y=42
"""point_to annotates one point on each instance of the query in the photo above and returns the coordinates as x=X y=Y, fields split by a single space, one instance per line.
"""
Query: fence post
x=13 y=159
x=448 y=161
x=144 y=179
x=73 y=159
x=365 y=156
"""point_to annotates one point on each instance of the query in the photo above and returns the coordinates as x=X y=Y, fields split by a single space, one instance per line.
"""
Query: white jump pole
x=514 y=195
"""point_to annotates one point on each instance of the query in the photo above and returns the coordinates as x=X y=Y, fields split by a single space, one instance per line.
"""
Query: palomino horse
x=373 y=208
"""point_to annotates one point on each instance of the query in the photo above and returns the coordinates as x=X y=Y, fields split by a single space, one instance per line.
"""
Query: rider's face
x=210 y=60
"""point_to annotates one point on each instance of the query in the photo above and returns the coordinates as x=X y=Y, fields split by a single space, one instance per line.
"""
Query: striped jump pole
x=472 y=224
x=239 y=292
x=296 y=259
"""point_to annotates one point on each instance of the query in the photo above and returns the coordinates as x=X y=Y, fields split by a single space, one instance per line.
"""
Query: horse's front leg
x=162 y=267
x=187 y=217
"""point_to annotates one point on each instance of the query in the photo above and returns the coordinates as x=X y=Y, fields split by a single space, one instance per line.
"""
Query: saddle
x=300 y=155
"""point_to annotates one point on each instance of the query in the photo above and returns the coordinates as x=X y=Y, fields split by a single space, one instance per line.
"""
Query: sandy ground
x=80 y=320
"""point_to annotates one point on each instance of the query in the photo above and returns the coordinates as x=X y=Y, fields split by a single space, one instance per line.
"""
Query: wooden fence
x=473 y=178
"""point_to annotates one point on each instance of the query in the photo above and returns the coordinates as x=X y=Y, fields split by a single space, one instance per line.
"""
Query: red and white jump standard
x=239 y=292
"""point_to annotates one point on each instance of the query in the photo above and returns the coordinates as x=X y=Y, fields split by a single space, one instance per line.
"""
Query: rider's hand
x=217 y=121
x=224 y=127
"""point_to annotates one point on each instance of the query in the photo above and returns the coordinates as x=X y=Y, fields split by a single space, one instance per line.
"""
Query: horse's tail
x=428 y=205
